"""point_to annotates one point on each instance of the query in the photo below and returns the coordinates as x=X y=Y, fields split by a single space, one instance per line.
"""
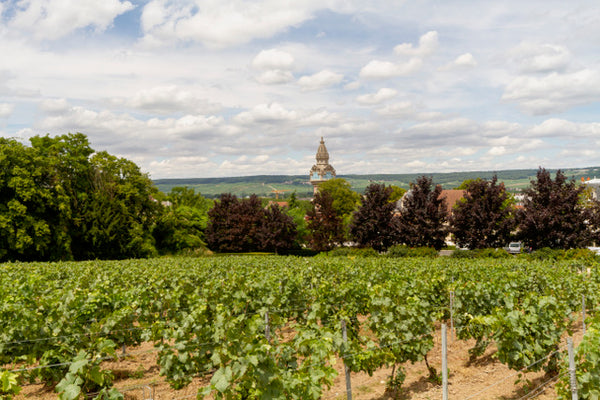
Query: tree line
x=61 y=200
x=556 y=213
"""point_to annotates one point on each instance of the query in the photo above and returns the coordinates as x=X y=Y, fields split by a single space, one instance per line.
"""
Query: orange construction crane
x=277 y=191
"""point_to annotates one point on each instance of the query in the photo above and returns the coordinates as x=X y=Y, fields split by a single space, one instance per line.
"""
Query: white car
x=515 y=247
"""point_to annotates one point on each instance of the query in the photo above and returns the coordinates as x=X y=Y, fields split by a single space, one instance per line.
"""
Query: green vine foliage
x=527 y=335
x=9 y=385
x=208 y=317
x=587 y=367
x=86 y=378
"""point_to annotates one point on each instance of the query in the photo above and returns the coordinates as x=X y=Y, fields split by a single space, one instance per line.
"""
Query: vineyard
x=279 y=327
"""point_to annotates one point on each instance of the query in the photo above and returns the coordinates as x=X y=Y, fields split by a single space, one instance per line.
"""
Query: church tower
x=322 y=170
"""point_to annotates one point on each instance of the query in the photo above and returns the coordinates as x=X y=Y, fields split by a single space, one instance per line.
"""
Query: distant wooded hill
x=265 y=185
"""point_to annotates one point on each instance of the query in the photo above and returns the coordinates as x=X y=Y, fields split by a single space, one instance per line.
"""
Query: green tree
x=42 y=188
x=397 y=193
x=423 y=215
x=324 y=223
x=345 y=200
x=298 y=209
x=465 y=184
x=120 y=212
x=553 y=213
x=182 y=221
x=485 y=216
x=59 y=200
x=374 y=224
x=25 y=203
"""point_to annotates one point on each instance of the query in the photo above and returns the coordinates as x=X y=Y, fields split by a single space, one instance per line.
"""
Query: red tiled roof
x=452 y=197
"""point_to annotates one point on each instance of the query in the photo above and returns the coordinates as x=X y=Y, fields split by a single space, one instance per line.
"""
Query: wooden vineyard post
x=267 y=327
x=346 y=368
x=452 y=315
x=573 y=376
x=583 y=311
x=444 y=364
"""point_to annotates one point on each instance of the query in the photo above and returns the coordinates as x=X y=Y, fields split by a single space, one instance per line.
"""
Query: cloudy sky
x=212 y=88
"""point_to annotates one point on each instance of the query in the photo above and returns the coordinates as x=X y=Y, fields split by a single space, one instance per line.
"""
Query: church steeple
x=321 y=171
x=322 y=154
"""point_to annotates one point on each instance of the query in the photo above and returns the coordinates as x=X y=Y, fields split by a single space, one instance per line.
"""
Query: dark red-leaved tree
x=234 y=225
x=325 y=226
x=245 y=226
x=374 y=224
x=553 y=214
x=423 y=215
x=278 y=231
x=485 y=217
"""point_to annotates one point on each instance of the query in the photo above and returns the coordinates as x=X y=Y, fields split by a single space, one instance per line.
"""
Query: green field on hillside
x=264 y=185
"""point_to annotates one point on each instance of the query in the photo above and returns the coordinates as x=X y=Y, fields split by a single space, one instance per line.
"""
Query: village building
x=322 y=170
x=594 y=185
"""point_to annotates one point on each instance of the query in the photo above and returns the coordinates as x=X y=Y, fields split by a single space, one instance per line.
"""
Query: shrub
x=352 y=252
x=405 y=251
x=559 y=254
x=481 y=253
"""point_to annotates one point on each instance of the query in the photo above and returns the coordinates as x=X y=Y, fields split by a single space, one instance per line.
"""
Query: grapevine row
x=210 y=316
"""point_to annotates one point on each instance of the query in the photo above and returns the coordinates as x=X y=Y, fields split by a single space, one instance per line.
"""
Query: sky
x=215 y=88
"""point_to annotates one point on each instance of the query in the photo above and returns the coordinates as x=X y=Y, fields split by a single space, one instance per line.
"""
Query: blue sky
x=212 y=88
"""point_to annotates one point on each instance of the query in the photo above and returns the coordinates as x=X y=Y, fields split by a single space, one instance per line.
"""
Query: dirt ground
x=137 y=376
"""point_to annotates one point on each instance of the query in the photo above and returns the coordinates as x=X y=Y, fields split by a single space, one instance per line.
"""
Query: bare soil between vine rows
x=137 y=376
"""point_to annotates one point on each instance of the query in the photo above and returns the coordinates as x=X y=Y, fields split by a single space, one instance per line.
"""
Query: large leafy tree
x=182 y=222
x=43 y=190
x=345 y=200
x=59 y=200
x=29 y=205
x=485 y=216
x=279 y=230
x=233 y=225
x=244 y=226
x=374 y=224
x=119 y=213
x=325 y=225
x=553 y=213
x=423 y=215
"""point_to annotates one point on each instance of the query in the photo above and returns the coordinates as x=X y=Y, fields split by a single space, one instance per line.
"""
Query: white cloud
x=377 y=69
x=320 y=80
x=276 y=66
x=465 y=60
x=384 y=69
x=319 y=118
x=6 y=109
x=275 y=77
x=497 y=151
x=554 y=92
x=55 y=106
x=541 y=58
x=273 y=59
x=462 y=62
x=352 y=85
x=428 y=43
x=220 y=23
x=123 y=131
x=560 y=128
x=266 y=113
x=54 y=19
x=403 y=109
x=382 y=95
x=170 y=99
